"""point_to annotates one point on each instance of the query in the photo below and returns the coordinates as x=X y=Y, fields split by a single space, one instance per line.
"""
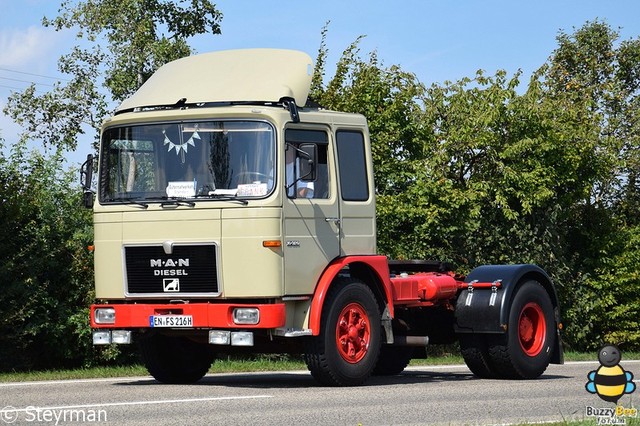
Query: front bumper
x=204 y=315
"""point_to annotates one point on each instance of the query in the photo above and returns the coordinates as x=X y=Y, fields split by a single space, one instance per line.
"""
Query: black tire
x=525 y=350
x=475 y=351
x=393 y=360
x=175 y=360
x=352 y=361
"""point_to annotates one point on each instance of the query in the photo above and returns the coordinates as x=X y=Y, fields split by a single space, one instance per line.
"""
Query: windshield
x=209 y=159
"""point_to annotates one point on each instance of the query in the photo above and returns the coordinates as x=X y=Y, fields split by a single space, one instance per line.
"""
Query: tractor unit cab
x=231 y=216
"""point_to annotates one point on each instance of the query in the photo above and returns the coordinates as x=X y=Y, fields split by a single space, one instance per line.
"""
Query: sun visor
x=246 y=75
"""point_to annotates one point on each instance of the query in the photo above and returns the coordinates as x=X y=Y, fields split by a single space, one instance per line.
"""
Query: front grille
x=188 y=269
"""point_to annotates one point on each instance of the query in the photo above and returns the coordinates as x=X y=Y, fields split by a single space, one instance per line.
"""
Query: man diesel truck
x=231 y=216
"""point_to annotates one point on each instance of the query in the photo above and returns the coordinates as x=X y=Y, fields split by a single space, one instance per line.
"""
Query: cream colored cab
x=333 y=214
x=200 y=192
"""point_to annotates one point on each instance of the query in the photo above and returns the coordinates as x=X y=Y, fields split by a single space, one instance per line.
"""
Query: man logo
x=171 y=284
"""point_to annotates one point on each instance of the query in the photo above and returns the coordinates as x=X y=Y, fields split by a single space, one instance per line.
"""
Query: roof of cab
x=245 y=75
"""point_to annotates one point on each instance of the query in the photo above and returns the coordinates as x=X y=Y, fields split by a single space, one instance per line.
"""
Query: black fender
x=486 y=310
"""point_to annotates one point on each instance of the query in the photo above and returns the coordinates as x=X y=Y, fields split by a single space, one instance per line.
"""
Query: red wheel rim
x=352 y=333
x=532 y=329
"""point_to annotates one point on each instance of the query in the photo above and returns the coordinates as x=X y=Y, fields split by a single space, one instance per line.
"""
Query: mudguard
x=482 y=311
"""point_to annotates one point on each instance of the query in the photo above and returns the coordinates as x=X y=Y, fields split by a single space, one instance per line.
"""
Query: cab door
x=311 y=210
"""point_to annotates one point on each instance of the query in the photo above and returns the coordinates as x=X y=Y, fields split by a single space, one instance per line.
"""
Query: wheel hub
x=532 y=329
x=353 y=333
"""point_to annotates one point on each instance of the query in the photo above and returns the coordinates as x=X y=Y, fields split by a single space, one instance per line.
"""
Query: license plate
x=171 y=321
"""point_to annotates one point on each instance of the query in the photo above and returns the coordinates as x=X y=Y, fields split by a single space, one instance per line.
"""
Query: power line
x=26 y=81
x=34 y=75
x=11 y=87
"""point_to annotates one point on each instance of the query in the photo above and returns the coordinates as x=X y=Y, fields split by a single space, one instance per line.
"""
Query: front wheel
x=525 y=350
x=346 y=351
x=175 y=360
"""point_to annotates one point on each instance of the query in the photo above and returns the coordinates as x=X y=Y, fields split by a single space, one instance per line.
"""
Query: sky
x=436 y=40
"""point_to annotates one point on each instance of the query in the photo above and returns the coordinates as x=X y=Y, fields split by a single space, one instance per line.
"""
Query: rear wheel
x=174 y=360
x=525 y=350
x=346 y=351
x=475 y=351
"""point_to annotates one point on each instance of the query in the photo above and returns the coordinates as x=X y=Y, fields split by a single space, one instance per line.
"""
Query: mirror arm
x=290 y=104
x=86 y=175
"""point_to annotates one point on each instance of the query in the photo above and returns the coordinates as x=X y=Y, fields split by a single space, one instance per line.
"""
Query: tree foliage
x=46 y=267
x=48 y=284
x=597 y=77
x=481 y=171
x=140 y=36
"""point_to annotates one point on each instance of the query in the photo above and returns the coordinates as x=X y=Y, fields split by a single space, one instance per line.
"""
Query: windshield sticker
x=182 y=147
x=186 y=189
x=227 y=192
x=252 y=190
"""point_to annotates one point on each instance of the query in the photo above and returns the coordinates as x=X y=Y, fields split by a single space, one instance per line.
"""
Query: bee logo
x=610 y=381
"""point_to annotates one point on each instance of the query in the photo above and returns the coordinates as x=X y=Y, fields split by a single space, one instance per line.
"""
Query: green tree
x=607 y=307
x=596 y=78
x=479 y=171
x=390 y=99
x=44 y=261
x=49 y=287
x=140 y=36
x=468 y=172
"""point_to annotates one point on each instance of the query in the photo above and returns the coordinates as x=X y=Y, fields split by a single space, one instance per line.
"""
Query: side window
x=353 y=166
x=299 y=186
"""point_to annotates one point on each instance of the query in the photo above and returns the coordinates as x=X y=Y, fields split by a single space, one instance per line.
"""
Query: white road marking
x=130 y=403
x=75 y=381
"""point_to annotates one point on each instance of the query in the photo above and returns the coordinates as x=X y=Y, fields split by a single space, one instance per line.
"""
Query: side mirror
x=86 y=173
x=308 y=153
x=87 y=199
x=86 y=176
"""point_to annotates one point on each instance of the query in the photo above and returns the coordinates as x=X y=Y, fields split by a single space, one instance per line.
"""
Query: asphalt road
x=420 y=395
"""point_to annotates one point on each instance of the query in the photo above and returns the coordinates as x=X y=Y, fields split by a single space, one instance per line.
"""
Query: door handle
x=336 y=220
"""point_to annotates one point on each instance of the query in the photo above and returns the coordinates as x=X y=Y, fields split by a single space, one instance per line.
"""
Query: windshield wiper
x=131 y=201
x=223 y=197
x=177 y=202
x=173 y=201
x=170 y=201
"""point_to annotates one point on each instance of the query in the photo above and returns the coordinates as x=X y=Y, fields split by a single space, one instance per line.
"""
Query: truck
x=233 y=216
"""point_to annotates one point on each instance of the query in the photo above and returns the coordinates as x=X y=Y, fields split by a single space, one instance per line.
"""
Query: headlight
x=246 y=316
x=104 y=316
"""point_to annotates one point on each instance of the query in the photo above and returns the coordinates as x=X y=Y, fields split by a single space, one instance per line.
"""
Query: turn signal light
x=272 y=243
